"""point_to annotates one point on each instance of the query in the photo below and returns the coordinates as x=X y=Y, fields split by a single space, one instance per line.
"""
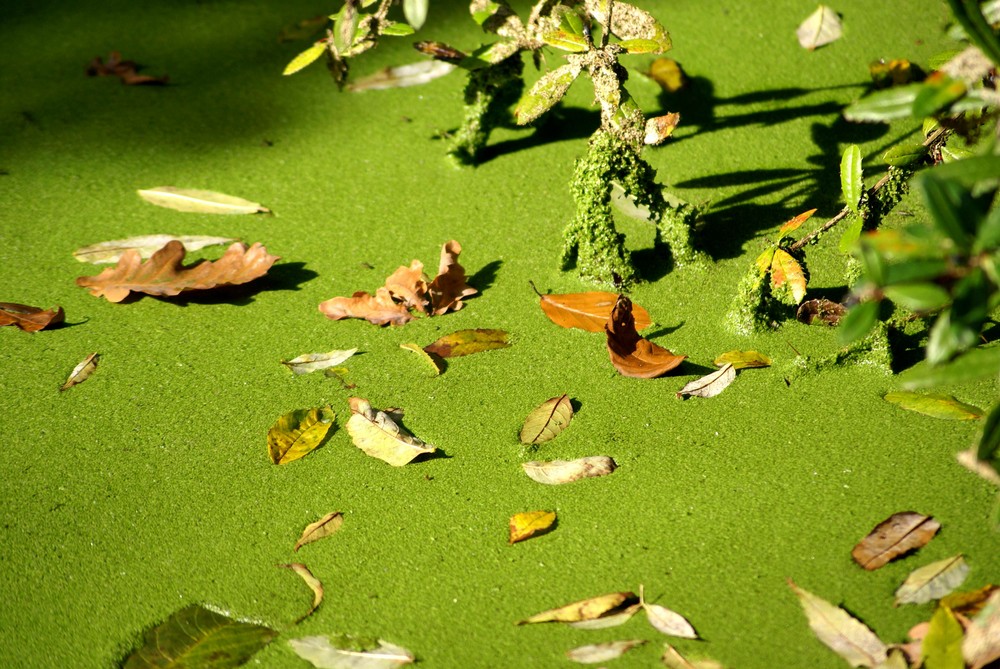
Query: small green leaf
x=571 y=21
x=305 y=58
x=949 y=336
x=979 y=363
x=942 y=647
x=634 y=46
x=298 y=433
x=199 y=637
x=851 y=234
x=546 y=92
x=345 y=27
x=971 y=171
x=937 y=96
x=935 y=405
x=884 y=105
x=903 y=155
x=914 y=270
x=415 y=12
x=561 y=39
x=851 y=182
x=873 y=263
x=397 y=29
x=433 y=361
x=988 y=235
x=858 y=322
x=918 y=296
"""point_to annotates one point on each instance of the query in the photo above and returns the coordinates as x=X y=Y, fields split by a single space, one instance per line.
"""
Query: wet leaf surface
x=935 y=405
x=588 y=311
x=742 y=359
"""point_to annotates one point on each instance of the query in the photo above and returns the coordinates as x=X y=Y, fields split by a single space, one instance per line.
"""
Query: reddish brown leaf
x=897 y=535
x=126 y=70
x=408 y=286
x=631 y=354
x=448 y=288
x=820 y=310
x=588 y=311
x=164 y=274
x=29 y=319
x=792 y=224
x=378 y=308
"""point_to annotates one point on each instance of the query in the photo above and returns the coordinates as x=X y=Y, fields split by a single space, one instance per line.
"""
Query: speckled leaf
x=200 y=201
x=199 y=637
x=433 y=360
x=841 y=632
x=932 y=581
x=305 y=58
x=942 y=647
x=588 y=311
x=659 y=128
x=898 y=534
x=311 y=362
x=529 y=524
x=546 y=92
x=935 y=405
x=298 y=433
x=30 y=319
x=851 y=183
x=566 y=41
x=467 y=342
x=320 y=529
x=146 y=245
x=82 y=371
x=628 y=22
x=547 y=420
x=602 y=652
x=557 y=472
x=585 y=609
x=710 y=385
x=742 y=359
x=347 y=653
x=821 y=27
x=379 y=435
x=666 y=621
x=312 y=582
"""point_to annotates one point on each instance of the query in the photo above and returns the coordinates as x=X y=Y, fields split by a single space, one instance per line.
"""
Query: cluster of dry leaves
x=126 y=70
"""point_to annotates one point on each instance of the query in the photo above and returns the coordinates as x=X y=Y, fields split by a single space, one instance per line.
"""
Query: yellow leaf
x=585 y=609
x=786 y=269
x=323 y=527
x=379 y=435
x=311 y=581
x=528 y=524
x=305 y=58
x=298 y=433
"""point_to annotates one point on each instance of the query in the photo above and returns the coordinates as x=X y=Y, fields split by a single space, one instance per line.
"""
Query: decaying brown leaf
x=530 y=524
x=408 y=286
x=320 y=529
x=820 y=310
x=312 y=582
x=82 y=371
x=585 y=609
x=556 y=472
x=111 y=251
x=126 y=70
x=378 y=434
x=30 y=319
x=898 y=534
x=164 y=274
x=602 y=652
x=547 y=420
x=969 y=603
x=587 y=311
x=378 y=308
x=467 y=342
x=840 y=631
x=448 y=288
x=631 y=354
x=710 y=385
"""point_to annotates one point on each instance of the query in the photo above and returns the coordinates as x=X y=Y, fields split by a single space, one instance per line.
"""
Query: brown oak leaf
x=29 y=319
x=378 y=308
x=449 y=288
x=631 y=354
x=165 y=275
x=407 y=284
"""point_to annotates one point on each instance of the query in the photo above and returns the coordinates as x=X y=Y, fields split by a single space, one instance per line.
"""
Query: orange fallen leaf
x=898 y=534
x=467 y=342
x=164 y=274
x=529 y=524
x=378 y=308
x=29 y=319
x=587 y=311
x=408 y=286
x=449 y=288
x=631 y=354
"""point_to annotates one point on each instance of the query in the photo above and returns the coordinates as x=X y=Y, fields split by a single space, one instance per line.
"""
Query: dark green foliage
x=489 y=94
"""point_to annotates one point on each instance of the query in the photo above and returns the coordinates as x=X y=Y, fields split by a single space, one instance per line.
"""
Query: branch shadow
x=559 y=125
x=486 y=276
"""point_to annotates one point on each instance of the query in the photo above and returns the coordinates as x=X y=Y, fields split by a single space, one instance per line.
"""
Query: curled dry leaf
x=467 y=342
x=982 y=640
x=821 y=27
x=82 y=371
x=380 y=436
x=710 y=385
x=602 y=652
x=378 y=308
x=659 y=128
x=432 y=359
x=556 y=472
x=344 y=652
x=126 y=70
x=742 y=359
x=407 y=285
x=840 y=631
x=311 y=362
x=200 y=201
x=610 y=620
x=666 y=621
x=298 y=433
x=898 y=534
x=585 y=609
x=312 y=582
x=30 y=319
x=935 y=405
x=164 y=275
x=820 y=310
x=448 y=288
x=587 y=311
x=320 y=529
x=631 y=354
x=402 y=76
x=547 y=420
x=529 y=524
x=932 y=581
x=146 y=245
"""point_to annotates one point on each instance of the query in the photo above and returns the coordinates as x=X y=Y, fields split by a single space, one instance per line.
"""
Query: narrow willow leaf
x=566 y=41
x=634 y=46
x=467 y=342
x=820 y=28
x=395 y=29
x=529 y=524
x=320 y=529
x=556 y=472
x=711 y=385
x=547 y=420
x=348 y=653
x=666 y=621
x=895 y=536
x=200 y=201
x=851 y=181
x=82 y=371
x=936 y=405
x=433 y=360
x=312 y=582
x=305 y=58
x=298 y=433
x=147 y=245
x=838 y=630
x=379 y=435
x=199 y=637
x=415 y=12
x=311 y=362
x=611 y=620
x=942 y=647
x=602 y=652
x=546 y=92
x=979 y=363
x=883 y=106
x=585 y=609
x=981 y=645
x=742 y=359
x=794 y=223
x=403 y=76
x=932 y=581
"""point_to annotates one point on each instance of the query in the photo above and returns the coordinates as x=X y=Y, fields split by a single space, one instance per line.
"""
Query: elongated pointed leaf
x=556 y=472
x=200 y=201
x=298 y=433
x=199 y=637
x=415 y=12
x=858 y=321
x=918 y=296
x=311 y=362
x=547 y=420
x=348 y=653
x=467 y=342
x=932 y=581
x=546 y=92
x=672 y=659
x=942 y=647
x=566 y=41
x=403 y=76
x=30 y=319
x=710 y=385
x=602 y=652
x=311 y=581
x=320 y=529
x=820 y=28
x=936 y=405
x=82 y=371
x=794 y=223
x=895 y=536
x=588 y=311
x=840 y=631
x=785 y=269
x=146 y=245
x=884 y=106
x=305 y=58
x=530 y=524
x=379 y=435
x=903 y=155
x=851 y=182
x=742 y=359
x=433 y=360
x=951 y=207
x=666 y=621
x=585 y=609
